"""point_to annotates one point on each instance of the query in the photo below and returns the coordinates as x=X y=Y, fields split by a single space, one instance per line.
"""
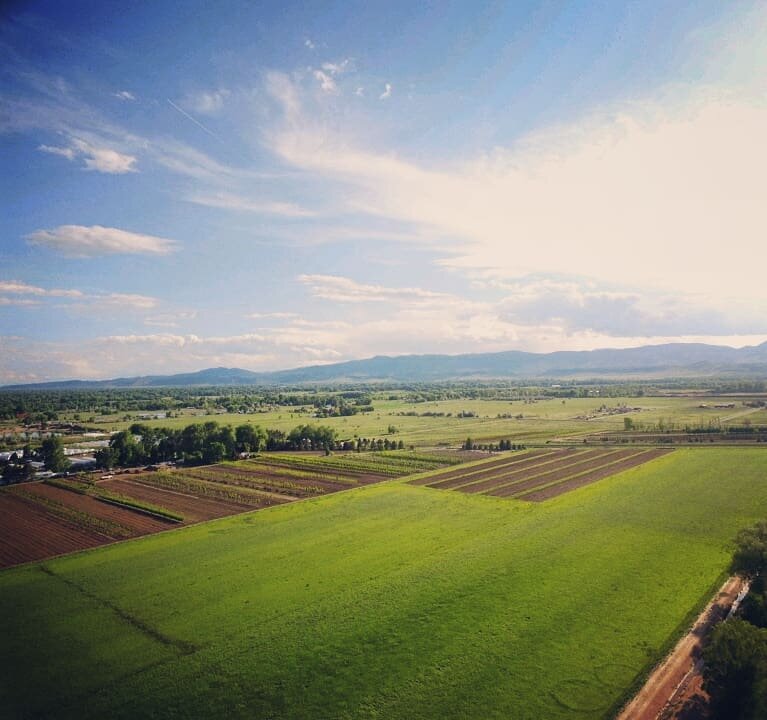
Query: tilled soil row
x=598 y=474
x=496 y=481
x=193 y=508
x=563 y=473
x=581 y=464
x=137 y=523
x=363 y=478
x=270 y=480
x=461 y=476
x=28 y=532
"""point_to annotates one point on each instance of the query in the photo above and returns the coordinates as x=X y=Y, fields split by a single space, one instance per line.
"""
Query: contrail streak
x=194 y=120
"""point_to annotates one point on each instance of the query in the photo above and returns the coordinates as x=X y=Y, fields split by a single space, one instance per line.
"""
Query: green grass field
x=541 y=421
x=389 y=601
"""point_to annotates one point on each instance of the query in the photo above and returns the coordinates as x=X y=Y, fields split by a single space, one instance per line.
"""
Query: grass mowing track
x=390 y=601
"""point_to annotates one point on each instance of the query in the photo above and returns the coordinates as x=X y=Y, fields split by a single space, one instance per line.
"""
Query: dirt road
x=668 y=685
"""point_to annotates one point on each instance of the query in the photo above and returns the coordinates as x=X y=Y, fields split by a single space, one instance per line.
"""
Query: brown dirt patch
x=365 y=478
x=275 y=481
x=193 y=508
x=28 y=532
x=137 y=523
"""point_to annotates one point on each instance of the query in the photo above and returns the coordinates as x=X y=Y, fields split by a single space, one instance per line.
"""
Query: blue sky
x=267 y=185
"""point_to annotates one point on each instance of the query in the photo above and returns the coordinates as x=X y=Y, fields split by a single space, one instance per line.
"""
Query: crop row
x=539 y=475
x=99 y=493
x=560 y=486
x=421 y=458
x=253 y=481
x=134 y=504
x=109 y=528
x=367 y=463
x=259 y=469
x=184 y=483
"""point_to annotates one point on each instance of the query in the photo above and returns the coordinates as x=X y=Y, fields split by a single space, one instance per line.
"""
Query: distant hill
x=651 y=361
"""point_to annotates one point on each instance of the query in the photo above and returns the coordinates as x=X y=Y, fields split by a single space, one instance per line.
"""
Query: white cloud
x=128 y=300
x=124 y=95
x=577 y=306
x=80 y=241
x=229 y=201
x=65 y=152
x=104 y=159
x=22 y=288
x=360 y=92
x=22 y=302
x=272 y=315
x=118 y=301
x=338 y=68
x=386 y=93
x=346 y=290
x=209 y=102
x=326 y=82
x=101 y=159
x=652 y=194
x=170 y=319
x=308 y=43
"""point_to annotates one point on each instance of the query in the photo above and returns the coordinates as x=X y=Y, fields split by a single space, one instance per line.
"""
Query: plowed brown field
x=193 y=508
x=540 y=475
x=28 y=532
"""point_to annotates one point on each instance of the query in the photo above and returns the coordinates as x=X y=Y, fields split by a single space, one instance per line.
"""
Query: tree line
x=208 y=443
x=735 y=659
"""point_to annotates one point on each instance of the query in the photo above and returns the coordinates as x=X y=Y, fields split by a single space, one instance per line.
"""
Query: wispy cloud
x=101 y=159
x=272 y=315
x=346 y=290
x=124 y=95
x=309 y=44
x=327 y=84
x=65 y=152
x=170 y=319
x=79 y=241
x=340 y=67
x=386 y=94
x=616 y=196
x=22 y=302
x=229 y=201
x=17 y=287
x=209 y=102
x=72 y=298
x=131 y=300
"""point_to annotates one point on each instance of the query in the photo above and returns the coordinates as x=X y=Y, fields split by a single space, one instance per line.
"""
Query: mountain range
x=649 y=362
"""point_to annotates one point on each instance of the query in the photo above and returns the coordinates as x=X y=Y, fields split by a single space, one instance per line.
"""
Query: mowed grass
x=390 y=601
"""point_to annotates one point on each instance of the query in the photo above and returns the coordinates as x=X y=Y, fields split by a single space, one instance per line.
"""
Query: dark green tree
x=214 y=452
x=52 y=452
x=735 y=671
x=750 y=557
x=249 y=438
x=106 y=458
